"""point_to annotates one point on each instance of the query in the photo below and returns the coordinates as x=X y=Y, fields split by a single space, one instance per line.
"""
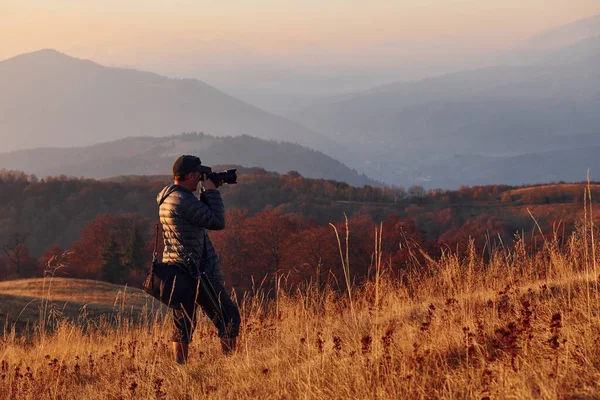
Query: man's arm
x=208 y=213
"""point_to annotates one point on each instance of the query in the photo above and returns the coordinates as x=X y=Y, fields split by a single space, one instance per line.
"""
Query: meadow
x=518 y=321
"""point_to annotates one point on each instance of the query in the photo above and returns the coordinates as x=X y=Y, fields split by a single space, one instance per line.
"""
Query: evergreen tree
x=134 y=259
x=112 y=266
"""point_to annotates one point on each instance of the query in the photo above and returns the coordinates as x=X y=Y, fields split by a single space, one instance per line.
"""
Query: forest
x=278 y=225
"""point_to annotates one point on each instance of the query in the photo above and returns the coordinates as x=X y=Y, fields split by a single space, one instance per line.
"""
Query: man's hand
x=208 y=184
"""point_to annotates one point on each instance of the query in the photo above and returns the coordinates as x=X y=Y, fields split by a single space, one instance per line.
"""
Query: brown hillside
x=561 y=186
x=25 y=302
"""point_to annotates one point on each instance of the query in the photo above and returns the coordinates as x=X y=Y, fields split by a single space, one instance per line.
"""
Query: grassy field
x=29 y=304
x=521 y=325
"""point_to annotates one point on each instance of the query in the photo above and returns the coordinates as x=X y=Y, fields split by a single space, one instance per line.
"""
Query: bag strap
x=155 y=254
x=204 y=253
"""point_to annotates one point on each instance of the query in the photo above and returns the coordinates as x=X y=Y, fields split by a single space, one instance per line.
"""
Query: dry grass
x=520 y=326
x=566 y=186
x=28 y=305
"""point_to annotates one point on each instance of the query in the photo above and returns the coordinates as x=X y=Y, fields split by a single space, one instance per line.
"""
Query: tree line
x=277 y=225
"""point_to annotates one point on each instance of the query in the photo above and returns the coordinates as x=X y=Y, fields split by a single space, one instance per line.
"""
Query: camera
x=229 y=176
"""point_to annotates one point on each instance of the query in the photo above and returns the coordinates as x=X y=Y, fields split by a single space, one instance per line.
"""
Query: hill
x=155 y=156
x=51 y=99
x=26 y=303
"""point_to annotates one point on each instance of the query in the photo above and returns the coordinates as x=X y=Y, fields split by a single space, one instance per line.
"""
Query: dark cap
x=186 y=164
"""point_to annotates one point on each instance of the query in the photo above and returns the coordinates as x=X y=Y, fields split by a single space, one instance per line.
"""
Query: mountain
x=403 y=129
x=585 y=51
x=50 y=99
x=565 y=35
x=152 y=155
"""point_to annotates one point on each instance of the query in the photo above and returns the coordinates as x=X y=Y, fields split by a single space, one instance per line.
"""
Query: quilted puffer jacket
x=185 y=220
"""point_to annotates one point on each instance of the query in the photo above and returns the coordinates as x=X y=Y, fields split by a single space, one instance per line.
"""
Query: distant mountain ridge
x=155 y=156
x=566 y=34
x=584 y=51
x=481 y=111
x=51 y=99
x=408 y=131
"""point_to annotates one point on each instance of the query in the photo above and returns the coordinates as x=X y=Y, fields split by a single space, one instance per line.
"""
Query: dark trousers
x=184 y=319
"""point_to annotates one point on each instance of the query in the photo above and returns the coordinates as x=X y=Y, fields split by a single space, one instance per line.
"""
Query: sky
x=282 y=54
x=121 y=31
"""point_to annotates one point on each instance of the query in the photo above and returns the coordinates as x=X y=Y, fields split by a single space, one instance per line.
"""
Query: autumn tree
x=481 y=230
x=86 y=257
x=19 y=263
x=416 y=192
x=269 y=234
x=399 y=193
x=13 y=248
x=233 y=247
x=314 y=254
x=3 y=269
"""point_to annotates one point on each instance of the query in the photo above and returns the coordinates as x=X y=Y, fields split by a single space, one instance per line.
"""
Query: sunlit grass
x=519 y=325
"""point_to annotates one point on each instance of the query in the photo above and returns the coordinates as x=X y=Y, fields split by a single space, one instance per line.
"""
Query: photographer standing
x=185 y=220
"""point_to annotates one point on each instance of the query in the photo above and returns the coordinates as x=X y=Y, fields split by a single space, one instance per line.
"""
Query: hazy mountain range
x=412 y=131
x=50 y=99
x=472 y=111
x=155 y=156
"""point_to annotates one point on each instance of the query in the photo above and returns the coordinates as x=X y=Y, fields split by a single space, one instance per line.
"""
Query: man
x=185 y=220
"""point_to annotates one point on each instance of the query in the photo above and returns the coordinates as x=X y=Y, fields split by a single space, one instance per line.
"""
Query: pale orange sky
x=111 y=28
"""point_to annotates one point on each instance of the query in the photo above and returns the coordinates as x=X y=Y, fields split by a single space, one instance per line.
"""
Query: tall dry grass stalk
x=522 y=324
x=346 y=263
x=592 y=237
